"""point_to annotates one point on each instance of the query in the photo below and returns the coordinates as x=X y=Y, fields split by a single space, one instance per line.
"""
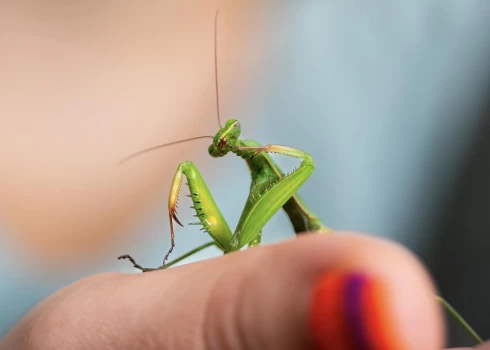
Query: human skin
x=254 y=299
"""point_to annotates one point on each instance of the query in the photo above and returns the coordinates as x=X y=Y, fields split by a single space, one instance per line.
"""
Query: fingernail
x=352 y=311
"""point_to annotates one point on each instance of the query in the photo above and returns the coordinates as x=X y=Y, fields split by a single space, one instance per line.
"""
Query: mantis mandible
x=270 y=190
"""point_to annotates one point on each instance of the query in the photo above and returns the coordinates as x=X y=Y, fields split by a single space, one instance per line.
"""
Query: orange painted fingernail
x=352 y=311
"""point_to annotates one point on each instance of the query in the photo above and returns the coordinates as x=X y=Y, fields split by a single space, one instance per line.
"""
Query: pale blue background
x=383 y=94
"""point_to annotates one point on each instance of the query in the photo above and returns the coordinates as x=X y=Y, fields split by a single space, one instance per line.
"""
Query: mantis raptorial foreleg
x=264 y=201
x=207 y=212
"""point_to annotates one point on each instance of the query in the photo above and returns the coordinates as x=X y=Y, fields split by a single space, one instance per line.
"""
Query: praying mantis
x=270 y=191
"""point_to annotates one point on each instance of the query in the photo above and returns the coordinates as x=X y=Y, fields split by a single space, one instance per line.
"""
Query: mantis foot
x=139 y=267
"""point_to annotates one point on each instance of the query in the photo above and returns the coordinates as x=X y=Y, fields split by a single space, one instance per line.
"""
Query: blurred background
x=392 y=99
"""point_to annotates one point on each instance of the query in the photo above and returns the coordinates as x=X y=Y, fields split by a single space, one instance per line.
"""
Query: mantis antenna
x=125 y=159
x=216 y=64
x=131 y=156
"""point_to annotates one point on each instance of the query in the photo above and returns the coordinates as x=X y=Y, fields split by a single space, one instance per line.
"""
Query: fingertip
x=279 y=301
x=385 y=297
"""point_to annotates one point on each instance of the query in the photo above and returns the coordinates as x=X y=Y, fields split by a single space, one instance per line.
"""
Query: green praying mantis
x=270 y=191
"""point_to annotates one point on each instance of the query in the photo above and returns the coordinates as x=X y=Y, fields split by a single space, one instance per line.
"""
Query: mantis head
x=226 y=139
